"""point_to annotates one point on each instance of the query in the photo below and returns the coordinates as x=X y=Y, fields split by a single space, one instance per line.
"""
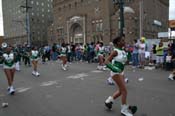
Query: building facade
x=82 y=21
x=40 y=16
x=14 y=22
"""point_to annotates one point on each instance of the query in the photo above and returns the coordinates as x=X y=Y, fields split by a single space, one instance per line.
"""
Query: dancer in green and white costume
x=34 y=58
x=63 y=56
x=100 y=55
x=116 y=63
x=9 y=68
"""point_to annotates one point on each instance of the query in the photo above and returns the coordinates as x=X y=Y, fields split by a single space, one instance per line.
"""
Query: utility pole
x=122 y=24
x=27 y=7
x=141 y=18
x=121 y=19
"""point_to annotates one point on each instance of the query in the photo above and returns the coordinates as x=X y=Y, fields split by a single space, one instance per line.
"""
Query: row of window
x=76 y=3
x=42 y=3
x=38 y=14
x=19 y=33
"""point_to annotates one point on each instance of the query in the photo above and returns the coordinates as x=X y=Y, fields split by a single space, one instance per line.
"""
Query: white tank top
x=35 y=53
x=63 y=50
x=9 y=59
x=121 y=56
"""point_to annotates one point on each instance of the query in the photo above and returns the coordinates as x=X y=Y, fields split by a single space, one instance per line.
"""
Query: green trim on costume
x=117 y=67
x=9 y=63
x=63 y=53
x=34 y=57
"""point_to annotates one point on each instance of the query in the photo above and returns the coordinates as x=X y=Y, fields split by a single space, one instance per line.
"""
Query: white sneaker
x=125 y=110
x=12 y=90
x=66 y=65
x=63 y=67
x=33 y=73
x=171 y=77
x=103 y=68
x=8 y=89
x=110 y=81
x=99 y=67
x=109 y=102
x=37 y=74
x=126 y=80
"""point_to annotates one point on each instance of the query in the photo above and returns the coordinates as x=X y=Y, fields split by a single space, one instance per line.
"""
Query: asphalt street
x=82 y=90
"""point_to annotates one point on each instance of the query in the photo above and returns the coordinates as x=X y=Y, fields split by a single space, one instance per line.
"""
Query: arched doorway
x=76 y=29
x=76 y=33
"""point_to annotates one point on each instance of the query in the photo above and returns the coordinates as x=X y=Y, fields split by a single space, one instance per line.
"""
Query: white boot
x=125 y=110
x=109 y=101
x=171 y=77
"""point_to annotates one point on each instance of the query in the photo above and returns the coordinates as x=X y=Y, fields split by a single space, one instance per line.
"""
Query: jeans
x=79 y=55
x=69 y=54
x=54 y=56
x=135 y=59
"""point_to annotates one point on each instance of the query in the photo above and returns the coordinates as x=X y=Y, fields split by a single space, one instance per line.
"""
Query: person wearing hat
x=9 y=67
x=159 y=55
x=142 y=48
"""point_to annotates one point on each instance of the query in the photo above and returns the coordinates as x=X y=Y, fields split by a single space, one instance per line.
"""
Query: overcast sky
x=172 y=9
x=1 y=21
x=171 y=16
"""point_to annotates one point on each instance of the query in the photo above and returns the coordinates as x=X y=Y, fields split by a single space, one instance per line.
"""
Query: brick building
x=82 y=21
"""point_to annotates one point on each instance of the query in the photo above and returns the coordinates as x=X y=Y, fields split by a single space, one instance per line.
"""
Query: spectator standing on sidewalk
x=135 y=54
x=159 y=55
x=142 y=47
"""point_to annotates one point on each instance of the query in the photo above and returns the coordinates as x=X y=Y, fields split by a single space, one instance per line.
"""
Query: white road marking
x=96 y=71
x=22 y=89
x=78 y=76
x=49 y=83
x=140 y=79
